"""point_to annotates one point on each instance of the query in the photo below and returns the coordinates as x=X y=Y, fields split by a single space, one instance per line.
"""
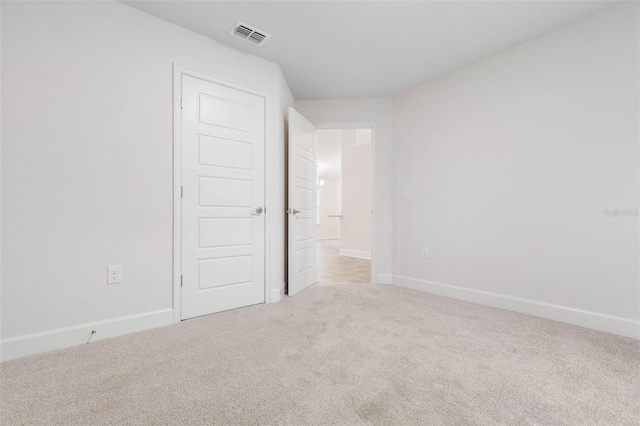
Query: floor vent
x=250 y=34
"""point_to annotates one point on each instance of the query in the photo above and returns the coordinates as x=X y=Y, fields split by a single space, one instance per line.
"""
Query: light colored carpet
x=336 y=354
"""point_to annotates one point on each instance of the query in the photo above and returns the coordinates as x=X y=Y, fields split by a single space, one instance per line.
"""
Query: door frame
x=343 y=125
x=178 y=72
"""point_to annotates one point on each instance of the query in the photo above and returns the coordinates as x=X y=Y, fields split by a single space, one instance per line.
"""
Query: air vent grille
x=242 y=31
x=256 y=37
x=250 y=34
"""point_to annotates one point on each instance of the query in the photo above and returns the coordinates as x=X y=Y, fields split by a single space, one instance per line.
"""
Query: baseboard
x=29 y=344
x=277 y=294
x=329 y=237
x=355 y=253
x=628 y=327
x=384 y=279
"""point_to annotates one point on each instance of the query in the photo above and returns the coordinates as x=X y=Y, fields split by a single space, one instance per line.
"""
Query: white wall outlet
x=406 y=193
x=425 y=253
x=114 y=274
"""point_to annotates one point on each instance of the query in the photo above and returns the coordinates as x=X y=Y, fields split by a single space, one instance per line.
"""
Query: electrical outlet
x=114 y=274
x=425 y=253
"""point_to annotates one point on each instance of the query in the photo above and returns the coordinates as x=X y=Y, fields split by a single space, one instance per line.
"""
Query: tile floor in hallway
x=333 y=268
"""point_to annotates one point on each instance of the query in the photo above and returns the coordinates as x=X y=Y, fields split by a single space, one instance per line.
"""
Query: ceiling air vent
x=250 y=34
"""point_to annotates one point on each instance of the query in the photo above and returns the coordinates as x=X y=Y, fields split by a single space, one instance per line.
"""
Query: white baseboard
x=329 y=237
x=277 y=294
x=611 y=324
x=384 y=279
x=355 y=253
x=29 y=344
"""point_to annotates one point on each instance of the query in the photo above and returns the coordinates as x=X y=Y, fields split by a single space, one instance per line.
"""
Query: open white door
x=302 y=203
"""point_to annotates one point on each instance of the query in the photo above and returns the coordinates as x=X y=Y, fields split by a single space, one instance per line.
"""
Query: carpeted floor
x=336 y=354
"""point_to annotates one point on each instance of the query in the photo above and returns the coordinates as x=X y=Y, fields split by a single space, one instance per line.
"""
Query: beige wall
x=513 y=161
x=329 y=144
x=356 y=196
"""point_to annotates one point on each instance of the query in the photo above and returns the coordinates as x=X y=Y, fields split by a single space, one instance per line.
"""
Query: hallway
x=335 y=269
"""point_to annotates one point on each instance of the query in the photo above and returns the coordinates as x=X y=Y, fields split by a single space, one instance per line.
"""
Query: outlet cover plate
x=114 y=274
x=425 y=253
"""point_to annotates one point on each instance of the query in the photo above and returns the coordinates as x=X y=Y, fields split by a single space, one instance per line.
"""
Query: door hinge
x=182 y=192
x=181 y=103
x=180 y=280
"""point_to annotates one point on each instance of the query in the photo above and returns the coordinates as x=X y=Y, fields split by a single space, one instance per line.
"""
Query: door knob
x=293 y=211
x=259 y=210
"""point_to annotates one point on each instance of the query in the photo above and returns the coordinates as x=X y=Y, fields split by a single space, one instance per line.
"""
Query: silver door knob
x=293 y=211
x=259 y=210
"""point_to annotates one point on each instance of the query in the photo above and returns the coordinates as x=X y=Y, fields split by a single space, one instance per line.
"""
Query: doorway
x=344 y=204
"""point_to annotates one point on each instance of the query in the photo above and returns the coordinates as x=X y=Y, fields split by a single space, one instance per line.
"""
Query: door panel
x=220 y=232
x=225 y=113
x=224 y=192
x=223 y=141
x=225 y=271
x=302 y=269
x=226 y=153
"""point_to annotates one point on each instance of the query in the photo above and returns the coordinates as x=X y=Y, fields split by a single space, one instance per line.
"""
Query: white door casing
x=223 y=180
x=302 y=269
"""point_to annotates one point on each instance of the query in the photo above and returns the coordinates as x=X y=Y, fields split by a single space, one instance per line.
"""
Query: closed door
x=223 y=224
x=302 y=269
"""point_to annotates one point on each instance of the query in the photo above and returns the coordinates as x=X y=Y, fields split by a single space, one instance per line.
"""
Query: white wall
x=513 y=161
x=87 y=166
x=330 y=196
x=329 y=160
x=356 y=196
x=378 y=111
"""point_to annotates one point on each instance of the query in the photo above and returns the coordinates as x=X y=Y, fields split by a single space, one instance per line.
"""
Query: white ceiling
x=343 y=49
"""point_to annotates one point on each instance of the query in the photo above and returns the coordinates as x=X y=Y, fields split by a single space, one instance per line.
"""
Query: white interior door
x=223 y=238
x=302 y=203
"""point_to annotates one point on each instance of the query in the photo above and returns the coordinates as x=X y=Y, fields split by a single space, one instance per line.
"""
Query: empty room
x=320 y=212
